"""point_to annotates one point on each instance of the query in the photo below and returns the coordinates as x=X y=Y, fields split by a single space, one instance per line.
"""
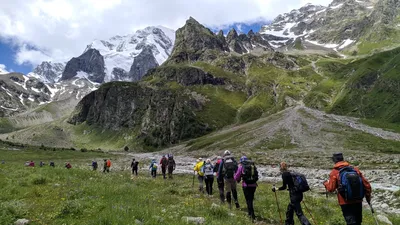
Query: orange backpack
x=108 y=163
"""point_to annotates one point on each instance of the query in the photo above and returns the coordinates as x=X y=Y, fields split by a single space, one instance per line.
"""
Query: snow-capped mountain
x=19 y=93
x=336 y=27
x=48 y=72
x=123 y=58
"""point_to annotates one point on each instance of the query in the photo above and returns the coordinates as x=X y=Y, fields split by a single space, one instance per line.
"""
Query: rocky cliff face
x=90 y=62
x=161 y=116
x=142 y=63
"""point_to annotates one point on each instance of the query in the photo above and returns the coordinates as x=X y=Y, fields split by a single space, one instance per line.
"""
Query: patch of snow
x=21 y=99
x=274 y=45
x=323 y=45
x=53 y=91
x=33 y=75
x=281 y=33
x=7 y=91
x=336 y=6
x=321 y=11
x=370 y=7
x=3 y=107
x=31 y=98
x=35 y=90
x=346 y=43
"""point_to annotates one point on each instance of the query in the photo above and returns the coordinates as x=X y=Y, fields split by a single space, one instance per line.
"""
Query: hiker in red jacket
x=351 y=204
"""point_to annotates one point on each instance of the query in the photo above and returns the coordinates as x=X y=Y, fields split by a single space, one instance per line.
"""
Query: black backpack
x=351 y=186
x=300 y=182
x=230 y=166
x=250 y=173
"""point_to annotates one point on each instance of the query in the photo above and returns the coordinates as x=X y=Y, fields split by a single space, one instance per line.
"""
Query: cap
x=227 y=152
x=243 y=158
x=337 y=157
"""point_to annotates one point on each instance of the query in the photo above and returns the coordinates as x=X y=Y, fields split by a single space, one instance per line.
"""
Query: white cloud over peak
x=3 y=69
x=61 y=29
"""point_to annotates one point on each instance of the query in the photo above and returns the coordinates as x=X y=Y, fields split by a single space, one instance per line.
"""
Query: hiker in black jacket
x=295 y=197
x=171 y=165
x=134 y=166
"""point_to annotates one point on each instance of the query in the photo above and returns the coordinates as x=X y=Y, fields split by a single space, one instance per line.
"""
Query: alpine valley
x=158 y=88
x=315 y=81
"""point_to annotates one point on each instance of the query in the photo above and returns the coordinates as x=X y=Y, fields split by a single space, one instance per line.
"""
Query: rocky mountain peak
x=48 y=72
x=90 y=62
x=232 y=35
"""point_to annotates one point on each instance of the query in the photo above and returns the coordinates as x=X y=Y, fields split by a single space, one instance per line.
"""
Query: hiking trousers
x=352 y=213
x=164 y=171
x=209 y=184
x=221 y=190
x=134 y=171
x=295 y=207
x=154 y=173
x=170 y=170
x=201 y=181
x=249 y=196
x=230 y=187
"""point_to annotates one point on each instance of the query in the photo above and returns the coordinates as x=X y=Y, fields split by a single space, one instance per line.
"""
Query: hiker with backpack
x=164 y=164
x=209 y=176
x=297 y=184
x=94 y=165
x=351 y=186
x=226 y=172
x=199 y=169
x=171 y=165
x=52 y=164
x=248 y=174
x=134 y=166
x=153 y=168
x=220 y=183
x=68 y=165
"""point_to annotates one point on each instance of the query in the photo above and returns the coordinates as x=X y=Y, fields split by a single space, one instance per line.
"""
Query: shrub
x=84 y=150
x=126 y=148
x=39 y=180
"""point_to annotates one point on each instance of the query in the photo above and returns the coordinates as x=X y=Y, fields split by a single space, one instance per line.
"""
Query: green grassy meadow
x=47 y=195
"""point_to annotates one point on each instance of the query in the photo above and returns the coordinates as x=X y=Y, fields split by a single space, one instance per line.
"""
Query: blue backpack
x=300 y=182
x=351 y=186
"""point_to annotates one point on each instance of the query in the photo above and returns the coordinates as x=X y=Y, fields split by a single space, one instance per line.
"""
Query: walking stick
x=277 y=204
x=194 y=174
x=309 y=212
x=373 y=213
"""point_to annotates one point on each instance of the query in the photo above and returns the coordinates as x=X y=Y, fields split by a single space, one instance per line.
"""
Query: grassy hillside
x=81 y=196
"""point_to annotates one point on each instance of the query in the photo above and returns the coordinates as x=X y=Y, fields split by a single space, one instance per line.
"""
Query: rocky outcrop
x=142 y=63
x=19 y=93
x=90 y=62
x=48 y=72
x=161 y=116
x=186 y=75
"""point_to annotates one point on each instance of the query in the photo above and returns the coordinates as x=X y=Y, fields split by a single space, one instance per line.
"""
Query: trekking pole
x=277 y=204
x=309 y=212
x=373 y=213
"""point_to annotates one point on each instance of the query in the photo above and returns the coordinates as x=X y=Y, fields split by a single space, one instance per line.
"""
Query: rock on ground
x=21 y=222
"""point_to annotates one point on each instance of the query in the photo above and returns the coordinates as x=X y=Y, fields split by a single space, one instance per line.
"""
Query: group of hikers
x=94 y=165
x=348 y=181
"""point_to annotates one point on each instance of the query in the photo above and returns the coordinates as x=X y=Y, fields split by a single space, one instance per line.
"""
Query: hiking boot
x=237 y=205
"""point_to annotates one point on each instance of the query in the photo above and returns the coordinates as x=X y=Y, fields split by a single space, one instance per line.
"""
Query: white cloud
x=3 y=69
x=61 y=29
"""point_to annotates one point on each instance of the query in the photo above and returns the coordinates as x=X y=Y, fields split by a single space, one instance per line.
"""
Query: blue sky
x=7 y=57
